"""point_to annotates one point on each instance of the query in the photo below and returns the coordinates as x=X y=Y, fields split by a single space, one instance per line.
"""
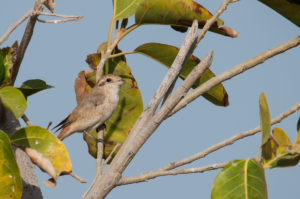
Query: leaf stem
x=122 y=53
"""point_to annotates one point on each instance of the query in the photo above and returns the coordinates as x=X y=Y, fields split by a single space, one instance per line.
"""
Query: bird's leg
x=96 y=139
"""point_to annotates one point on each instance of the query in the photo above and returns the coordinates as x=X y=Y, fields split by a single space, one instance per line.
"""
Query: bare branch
x=59 y=20
x=158 y=173
x=229 y=141
x=138 y=135
x=26 y=120
x=235 y=71
x=77 y=177
x=25 y=40
x=56 y=15
x=14 y=26
x=100 y=149
x=213 y=19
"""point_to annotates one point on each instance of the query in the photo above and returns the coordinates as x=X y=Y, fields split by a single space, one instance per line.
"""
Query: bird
x=94 y=109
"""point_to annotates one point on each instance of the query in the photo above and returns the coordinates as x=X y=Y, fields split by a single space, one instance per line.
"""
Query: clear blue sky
x=57 y=53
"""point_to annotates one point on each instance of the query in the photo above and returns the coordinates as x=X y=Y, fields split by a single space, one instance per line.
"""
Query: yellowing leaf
x=44 y=150
x=265 y=118
x=279 y=152
x=10 y=179
x=240 y=179
x=178 y=13
x=165 y=54
x=125 y=8
x=13 y=100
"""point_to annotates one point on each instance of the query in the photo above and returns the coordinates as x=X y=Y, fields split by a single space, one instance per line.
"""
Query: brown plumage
x=94 y=109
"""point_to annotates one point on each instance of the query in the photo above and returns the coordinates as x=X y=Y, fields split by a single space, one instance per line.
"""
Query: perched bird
x=94 y=109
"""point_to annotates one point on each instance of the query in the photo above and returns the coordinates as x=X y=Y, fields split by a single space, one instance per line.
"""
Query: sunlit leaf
x=13 y=100
x=240 y=179
x=165 y=54
x=290 y=9
x=10 y=179
x=178 y=13
x=44 y=150
x=125 y=8
x=129 y=108
x=33 y=86
x=279 y=152
x=265 y=118
x=6 y=63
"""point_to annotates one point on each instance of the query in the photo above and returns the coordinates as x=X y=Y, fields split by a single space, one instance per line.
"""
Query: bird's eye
x=108 y=80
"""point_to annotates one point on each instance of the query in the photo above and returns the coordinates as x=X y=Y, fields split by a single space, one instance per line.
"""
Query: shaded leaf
x=44 y=150
x=290 y=9
x=279 y=152
x=265 y=118
x=165 y=54
x=178 y=13
x=129 y=108
x=298 y=125
x=10 y=178
x=33 y=86
x=6 y=63
x=13 y=100
x=125 y=8
x=240 y=179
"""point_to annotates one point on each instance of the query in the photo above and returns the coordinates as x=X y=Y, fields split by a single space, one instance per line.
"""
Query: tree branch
x=203 y=88
x=158 y=173
x=229 y=141
x=137 y=138
x=14 y=26
x=25 y=40
x=168 y=170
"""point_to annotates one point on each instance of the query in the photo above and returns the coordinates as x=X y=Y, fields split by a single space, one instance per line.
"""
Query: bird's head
x=110 y=80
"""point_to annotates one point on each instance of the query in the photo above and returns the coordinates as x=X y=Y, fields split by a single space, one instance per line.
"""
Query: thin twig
x=26 y=120
x=230 y=141
x=99 y=171
x=77 y=177
x=167 y=170
x=203 y=88
x=57 y=15
x=100 y=149
x=14 y=26
x=109 y=158
x=213 y=19
x=158 y=173
x=59 y=20
x=25 y=40
x=122 y=53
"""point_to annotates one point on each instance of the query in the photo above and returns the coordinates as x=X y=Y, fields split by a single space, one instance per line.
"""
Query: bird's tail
x=64 y=133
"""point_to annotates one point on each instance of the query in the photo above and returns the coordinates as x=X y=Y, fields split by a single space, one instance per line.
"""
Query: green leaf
x=2 y=69
x=165 y=54
x=13 y=100
x=240 y=179
x=33 y=86
x=129 y=108
x=298 y=125
x=125 y=8
x=10 y=178
x=178 y=13
x=6 y=63
x=279 y=152
x=290 y=9
x=44 y=150
x=265 y=118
